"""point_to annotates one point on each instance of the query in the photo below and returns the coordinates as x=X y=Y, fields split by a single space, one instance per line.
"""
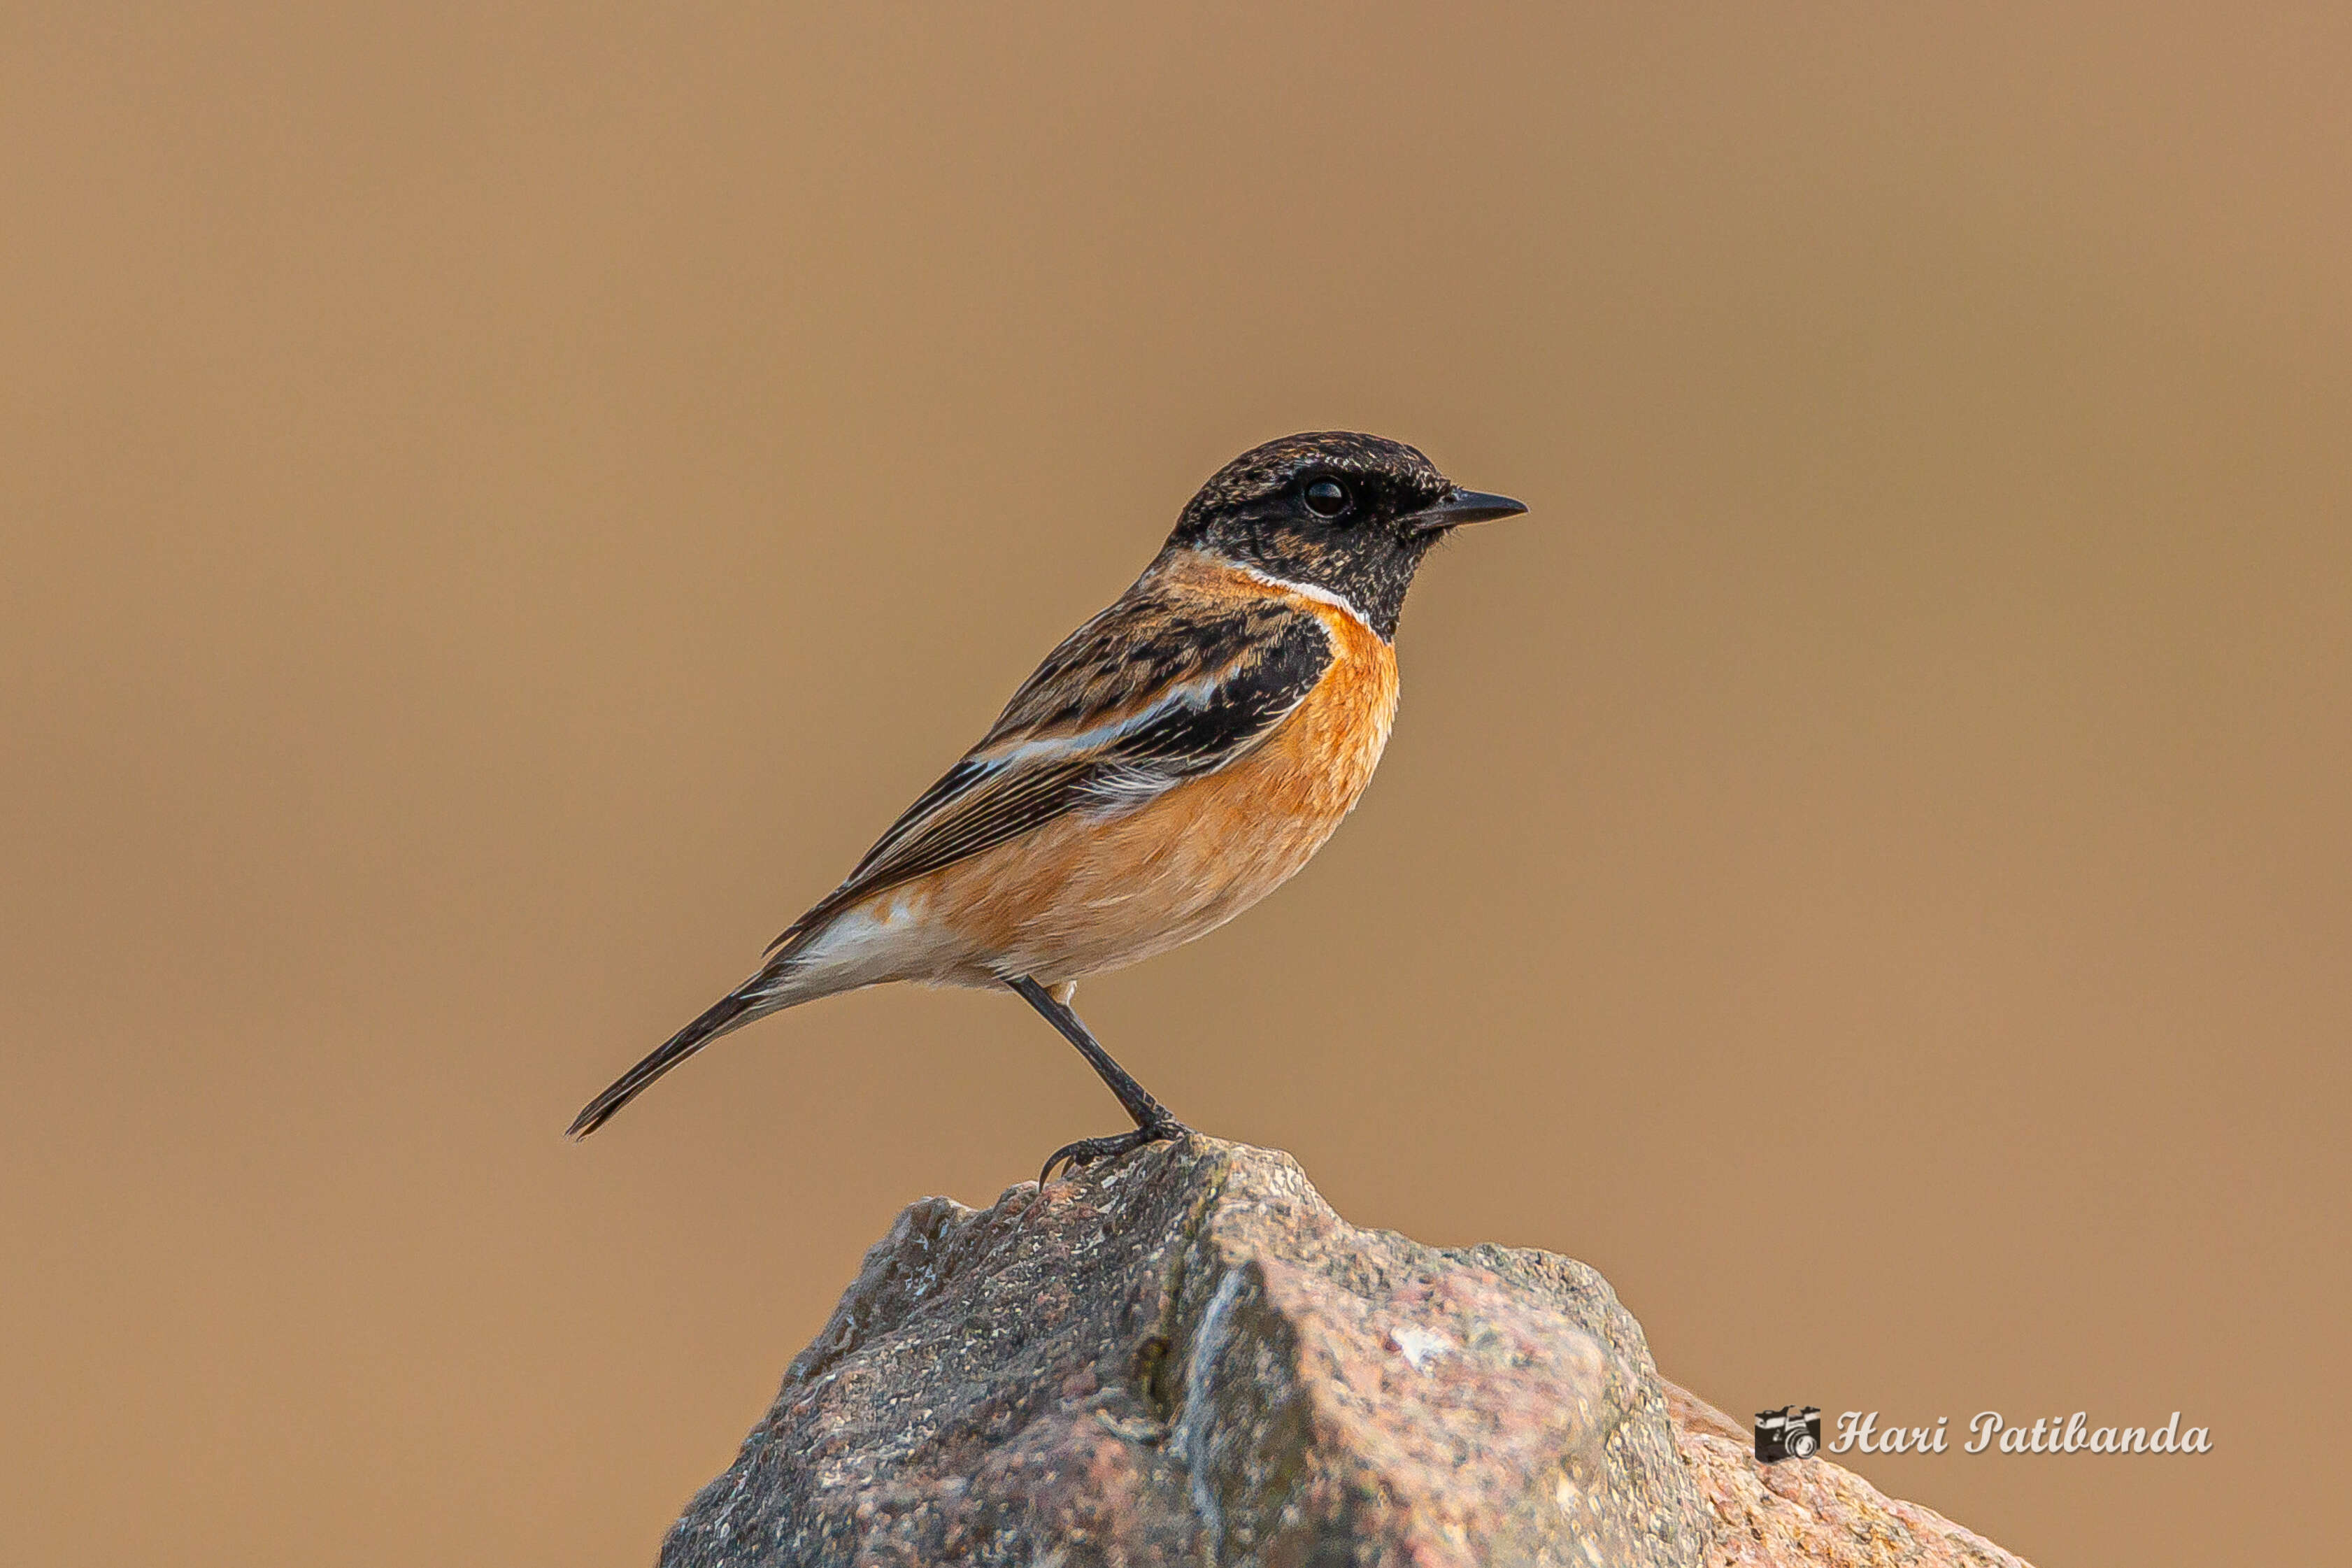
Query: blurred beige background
x=502 y=504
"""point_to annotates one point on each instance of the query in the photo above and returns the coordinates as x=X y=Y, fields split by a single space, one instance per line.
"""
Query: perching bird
x=1174 y=762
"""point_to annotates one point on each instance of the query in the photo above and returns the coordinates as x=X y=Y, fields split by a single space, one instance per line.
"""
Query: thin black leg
x=1152 y=1122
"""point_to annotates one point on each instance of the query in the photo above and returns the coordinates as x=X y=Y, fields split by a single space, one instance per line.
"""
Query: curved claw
x=1086 y=1151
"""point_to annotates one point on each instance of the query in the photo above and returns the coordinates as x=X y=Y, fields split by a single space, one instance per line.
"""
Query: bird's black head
x=1352 y=515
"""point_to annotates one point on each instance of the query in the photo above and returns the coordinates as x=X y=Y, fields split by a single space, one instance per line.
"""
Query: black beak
x=1463 y=506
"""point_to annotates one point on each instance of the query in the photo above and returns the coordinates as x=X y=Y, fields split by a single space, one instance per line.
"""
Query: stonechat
x=1177 y=758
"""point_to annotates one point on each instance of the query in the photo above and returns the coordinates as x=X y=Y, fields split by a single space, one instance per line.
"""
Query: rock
x=1809 y=1512
x=1187 y=1358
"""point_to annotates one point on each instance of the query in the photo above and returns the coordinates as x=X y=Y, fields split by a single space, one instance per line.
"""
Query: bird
x=1172 y=761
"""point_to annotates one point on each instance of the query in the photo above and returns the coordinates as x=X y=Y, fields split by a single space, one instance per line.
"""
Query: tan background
x=500 y=509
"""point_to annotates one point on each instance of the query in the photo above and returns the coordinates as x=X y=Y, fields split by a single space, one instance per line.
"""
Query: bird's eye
x=1326 y=498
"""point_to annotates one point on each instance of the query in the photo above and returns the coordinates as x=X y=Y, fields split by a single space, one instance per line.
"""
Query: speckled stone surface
x=1187 y=1358
x=1809 y=1512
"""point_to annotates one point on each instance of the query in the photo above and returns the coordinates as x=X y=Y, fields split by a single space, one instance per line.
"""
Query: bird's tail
x=755 y=998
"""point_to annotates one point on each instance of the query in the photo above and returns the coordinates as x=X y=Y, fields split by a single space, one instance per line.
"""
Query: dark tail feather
x=732 y=1011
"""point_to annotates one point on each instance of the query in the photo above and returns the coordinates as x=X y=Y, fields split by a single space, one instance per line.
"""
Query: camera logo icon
x=1788 y=1433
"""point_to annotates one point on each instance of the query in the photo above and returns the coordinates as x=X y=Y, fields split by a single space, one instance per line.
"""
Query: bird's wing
x=1157 y=690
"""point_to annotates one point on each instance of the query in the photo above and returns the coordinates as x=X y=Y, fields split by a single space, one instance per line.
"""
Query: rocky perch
x=1187 y=1358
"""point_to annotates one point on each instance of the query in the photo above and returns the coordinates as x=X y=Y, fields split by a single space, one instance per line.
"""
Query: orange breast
x=1082 y=895
x=1312 y=768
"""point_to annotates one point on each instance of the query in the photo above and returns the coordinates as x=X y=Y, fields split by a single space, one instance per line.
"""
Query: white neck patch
x=1320 y=595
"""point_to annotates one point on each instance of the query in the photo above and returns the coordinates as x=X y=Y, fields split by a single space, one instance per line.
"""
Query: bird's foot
x=1086 y=1151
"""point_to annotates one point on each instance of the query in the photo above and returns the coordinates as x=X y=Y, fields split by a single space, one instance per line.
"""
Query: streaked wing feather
x=1149 y=693
x=1153 y=640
